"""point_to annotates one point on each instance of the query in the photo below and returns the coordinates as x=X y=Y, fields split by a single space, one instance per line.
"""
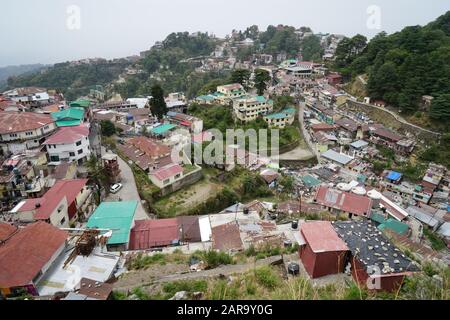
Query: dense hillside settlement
x=103 y=195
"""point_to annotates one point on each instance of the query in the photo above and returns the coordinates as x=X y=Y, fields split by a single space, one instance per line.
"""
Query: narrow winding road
x=129 y=191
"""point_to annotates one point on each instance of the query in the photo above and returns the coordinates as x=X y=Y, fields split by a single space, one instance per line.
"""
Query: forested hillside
x=404 y=66
x=9 y=71
x=73 y=79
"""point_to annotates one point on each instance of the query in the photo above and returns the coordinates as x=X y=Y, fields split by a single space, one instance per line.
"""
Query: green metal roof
x=379 y=218
x=261 y=99
x=281 y=115
x=207 y=98
x=68 y=117
x=69 y=114
x=394 y=225
x=163 y=128
x=80 y=103
x=68 y=123
x=117 y=216
x=289 y=110
x=310 y=181
x=361 y=178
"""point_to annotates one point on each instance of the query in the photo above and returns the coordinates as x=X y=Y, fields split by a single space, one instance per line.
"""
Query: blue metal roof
x=393 y=175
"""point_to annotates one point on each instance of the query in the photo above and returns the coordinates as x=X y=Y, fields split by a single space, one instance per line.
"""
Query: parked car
x=115 y=188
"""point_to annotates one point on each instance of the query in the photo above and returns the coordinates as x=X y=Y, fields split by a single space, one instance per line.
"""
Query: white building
x=69 y=144
x=21 y=131
x=28 y=95
x=139 y=102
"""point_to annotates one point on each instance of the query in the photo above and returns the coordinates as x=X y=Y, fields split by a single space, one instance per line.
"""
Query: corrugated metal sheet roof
x=336 y=157
x=321 y=237
x=117 y=216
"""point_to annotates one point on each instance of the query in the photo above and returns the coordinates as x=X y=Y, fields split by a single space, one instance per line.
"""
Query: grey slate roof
x=337 y=157
x=371 y=247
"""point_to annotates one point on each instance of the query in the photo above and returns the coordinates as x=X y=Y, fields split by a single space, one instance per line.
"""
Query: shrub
x=251 y=251
x=267 y=277
x=140 y=294
x=170 y=288
x=436 y=242
x=222 y=290
x=354 y=292
x=144 y=261
x=213 y=259
x=260 y=256
x=117 y=295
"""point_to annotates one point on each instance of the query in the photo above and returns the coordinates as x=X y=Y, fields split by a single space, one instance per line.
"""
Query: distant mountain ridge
x=16 y=70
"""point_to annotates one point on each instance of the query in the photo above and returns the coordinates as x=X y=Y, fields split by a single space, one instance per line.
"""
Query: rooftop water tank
x=376 y=198
x=359 y=191
x=344 y=187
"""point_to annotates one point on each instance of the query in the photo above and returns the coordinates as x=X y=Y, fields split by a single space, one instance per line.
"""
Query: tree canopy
x=404 y=66
x=107 y=128
x=262 y=77
x=241 y=76
x=157 y=103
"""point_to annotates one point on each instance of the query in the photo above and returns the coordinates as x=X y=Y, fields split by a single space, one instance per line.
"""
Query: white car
x=115 y=188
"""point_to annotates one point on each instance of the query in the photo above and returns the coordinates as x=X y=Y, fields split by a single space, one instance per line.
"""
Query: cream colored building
x=229 y=92
x=249 y=108
x=281 y=119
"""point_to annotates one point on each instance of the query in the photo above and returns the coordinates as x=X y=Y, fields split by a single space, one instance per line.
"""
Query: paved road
x=307 y=137
x=399 y=118
x=364 y=82
x=129 y=191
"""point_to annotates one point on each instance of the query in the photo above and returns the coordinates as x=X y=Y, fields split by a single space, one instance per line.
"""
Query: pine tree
x=157 y=103
x=262 y=77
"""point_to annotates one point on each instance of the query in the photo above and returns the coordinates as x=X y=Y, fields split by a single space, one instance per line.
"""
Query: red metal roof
x=387 y=134
x=150 y=147
x=11 y=122
x=53 y=197
x=227 y=237
x=321 y=237
x=68 y=135
x=167 y=172
x=153 y=233
x=345 y=201
x=323 y=127
x=6 y=230
x=27 y=252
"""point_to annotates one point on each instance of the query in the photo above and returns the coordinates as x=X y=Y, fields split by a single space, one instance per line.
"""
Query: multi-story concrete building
x=69 y=144
x=281 y=119
x=249 y=108
x=20 y=131
x=229 y=92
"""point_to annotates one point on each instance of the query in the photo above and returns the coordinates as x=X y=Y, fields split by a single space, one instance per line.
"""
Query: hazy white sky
x=36 y=31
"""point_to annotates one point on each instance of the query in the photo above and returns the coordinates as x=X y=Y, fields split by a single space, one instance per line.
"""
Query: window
x=71 y=154
x=13 y=135
x=166 y=181
x=177 y=176
x=78 y=143
x=54 y=158
x=63 y=220
x=29 y=133
x=80 y=151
